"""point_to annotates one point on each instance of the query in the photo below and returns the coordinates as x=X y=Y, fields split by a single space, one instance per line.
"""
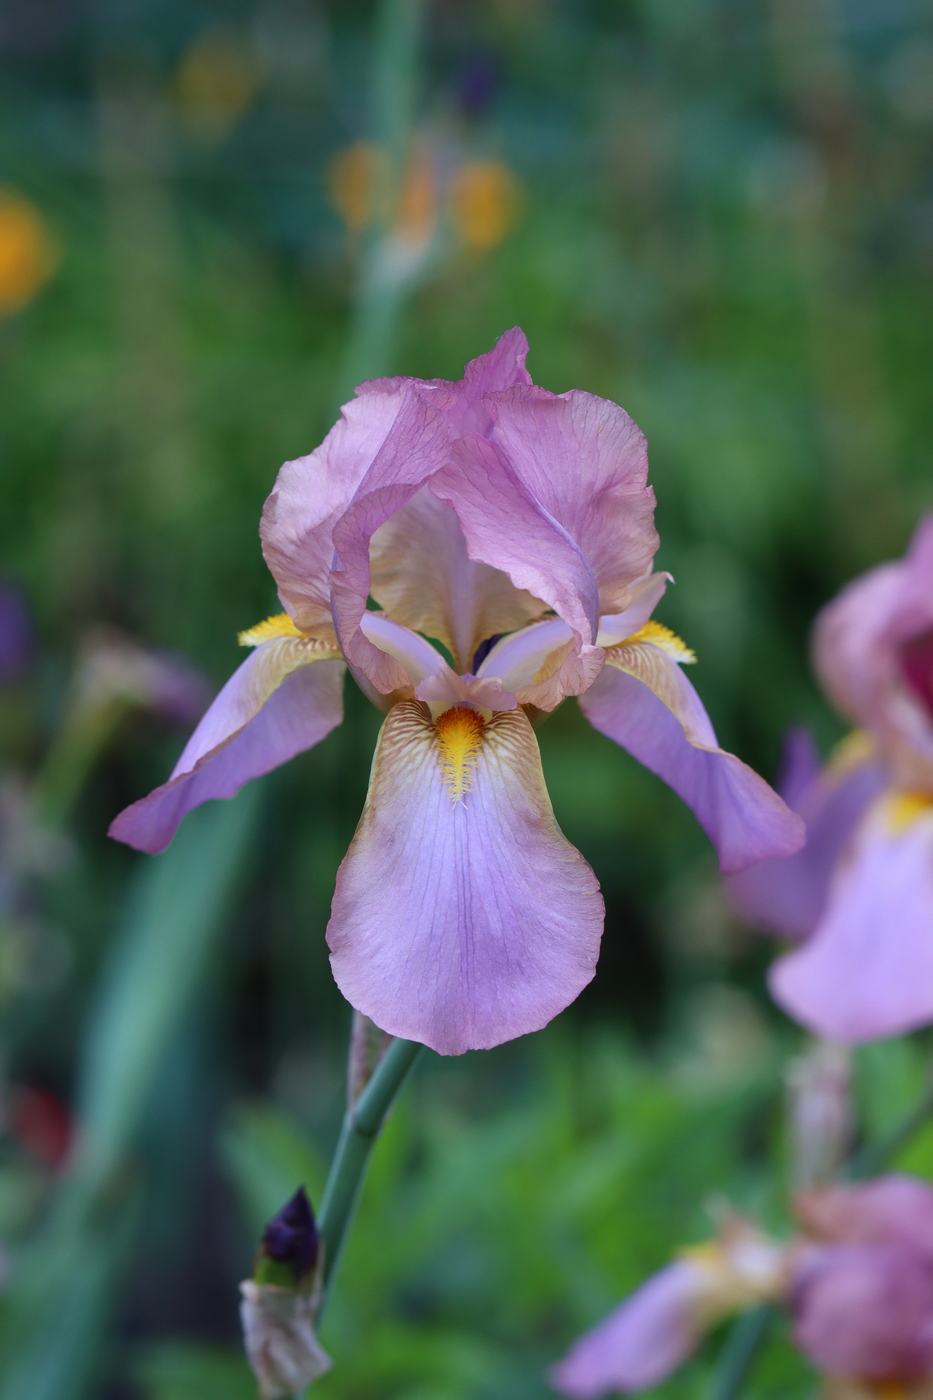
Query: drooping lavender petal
x=282 y=700
x=867 y=971
x=787 y=895
x=652 y=710
x=462 y=917
x=645 y=1339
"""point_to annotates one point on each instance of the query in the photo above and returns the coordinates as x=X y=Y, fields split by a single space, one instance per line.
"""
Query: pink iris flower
x=861 y=892
x=514 y=527
x=861 y=1288
x=857 y=1281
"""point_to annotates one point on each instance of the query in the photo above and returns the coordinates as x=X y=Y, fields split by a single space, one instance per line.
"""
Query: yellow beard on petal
x=279 y=626
x=660 y=636
x=459 y=738
x=903 y=808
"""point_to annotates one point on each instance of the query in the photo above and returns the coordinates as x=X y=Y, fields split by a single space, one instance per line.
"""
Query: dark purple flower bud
x=291 y=1237
x=477 y=84
x=16 y=634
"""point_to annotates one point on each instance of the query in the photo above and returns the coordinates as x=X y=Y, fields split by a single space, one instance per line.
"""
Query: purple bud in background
x=17 y=639
x=477 y=84
x=291 y=1237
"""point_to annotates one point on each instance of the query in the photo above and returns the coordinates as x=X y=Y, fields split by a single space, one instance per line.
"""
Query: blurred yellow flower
x=216 y=82
x=28 y=252
x=353 y=179
x=485 y=203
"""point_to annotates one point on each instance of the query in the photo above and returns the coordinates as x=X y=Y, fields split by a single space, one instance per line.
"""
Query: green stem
x=740 y=1351
x=750 y=1331
x=875 y=1155
x=361 y=1127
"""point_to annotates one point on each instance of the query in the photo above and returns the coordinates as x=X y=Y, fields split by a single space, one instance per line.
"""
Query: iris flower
x=860 y=895
x=857 y=1281
x=514 y=527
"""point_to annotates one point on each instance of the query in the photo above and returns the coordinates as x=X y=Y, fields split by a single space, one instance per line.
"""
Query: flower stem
x=740 y=1351
x=361 y=1127
x=750 y=1331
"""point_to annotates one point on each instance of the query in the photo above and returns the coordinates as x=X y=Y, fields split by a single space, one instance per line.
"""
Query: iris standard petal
x=857 y=641
x=310 y=495
x=643 y=1340
x=585 y=461
x=891 y=1209
x=464 y=399
x=787 y=894
x=867 y=972
x=508 y=529
x=462 y=916
x=423 y=575
x=644 y=702
x=286 y=697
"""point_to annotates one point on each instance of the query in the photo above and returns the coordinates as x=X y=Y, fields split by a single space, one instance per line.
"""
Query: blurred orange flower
x=353 y=179
x=216 y=82
x=28 y=252
x=485 y=203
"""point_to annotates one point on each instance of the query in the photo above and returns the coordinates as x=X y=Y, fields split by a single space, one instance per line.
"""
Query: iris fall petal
x=461 y=922
x=867 y=971
x=644 y=702
x=284 y=698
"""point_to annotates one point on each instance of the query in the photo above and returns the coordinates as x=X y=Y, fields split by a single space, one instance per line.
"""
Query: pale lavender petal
x=416 y=446
x=310 y=495
x=423 y=576
x=508 y=529
x=644 y=597
x=274 y=706
x=461 y=923
x=447 y=688
x=644 y=1340
x=787 y=895
x=859 y=639
x=541 y=665
x=417 y=656
x=891 y=1209
x=867 y=972
x=585 y=461
x=658 y=717
x=865 y=1310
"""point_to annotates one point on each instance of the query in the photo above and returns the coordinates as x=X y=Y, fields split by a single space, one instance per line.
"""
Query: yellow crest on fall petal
x=903 y=808
x=279 y=626
x=459 y=738
x=663 y=638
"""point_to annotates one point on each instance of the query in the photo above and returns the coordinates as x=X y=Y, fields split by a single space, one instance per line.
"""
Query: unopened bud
x=280 y=1303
